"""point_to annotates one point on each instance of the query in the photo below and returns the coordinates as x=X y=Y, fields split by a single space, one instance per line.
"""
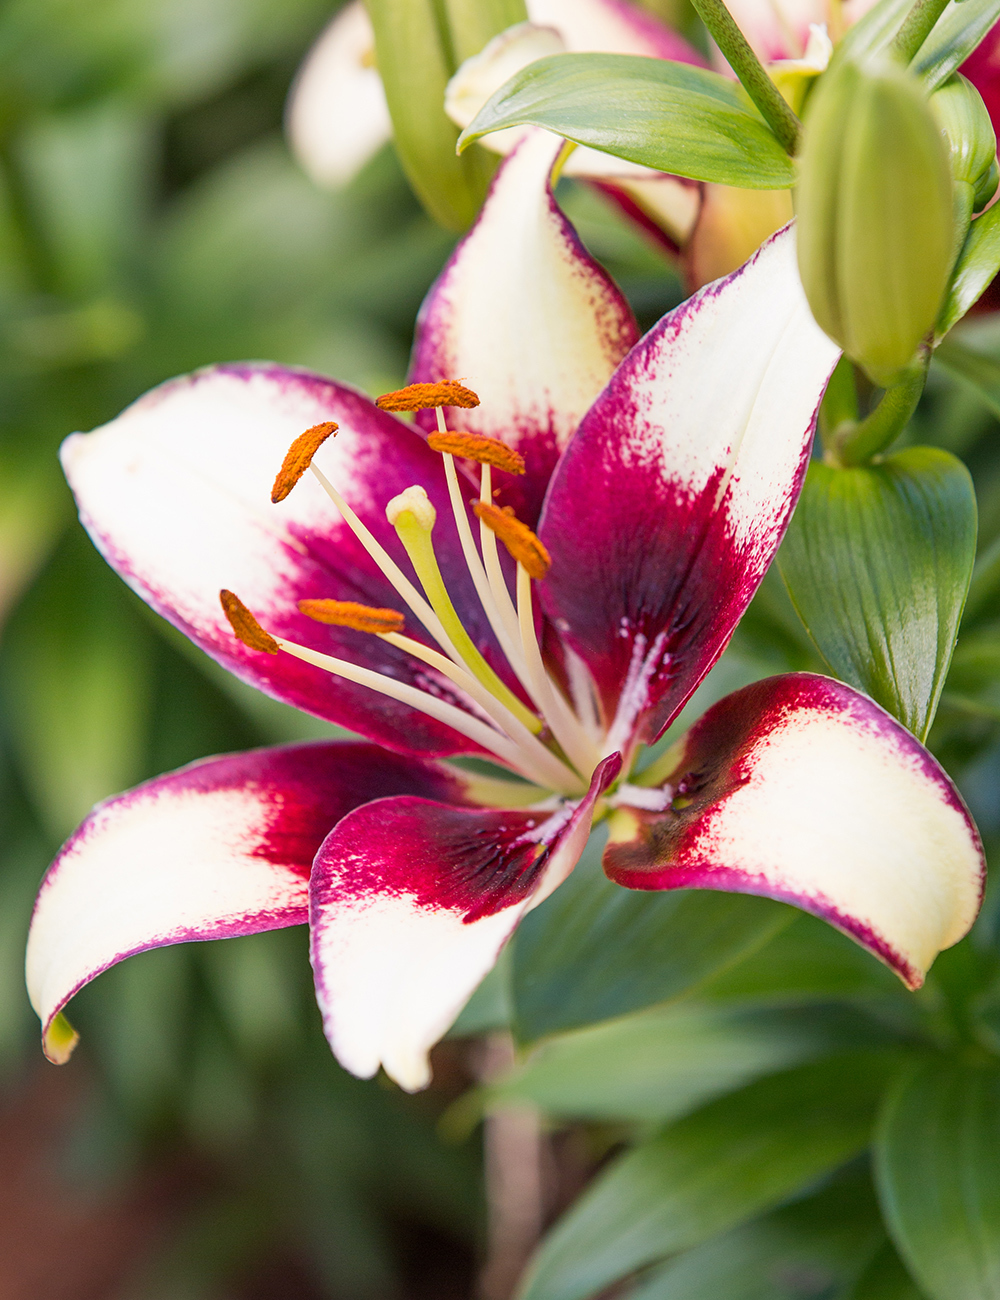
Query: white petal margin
x=222 y=847
x=337 y=117
x=523 y=312
x=397 y=947
x=609 y=27
x=802 y=789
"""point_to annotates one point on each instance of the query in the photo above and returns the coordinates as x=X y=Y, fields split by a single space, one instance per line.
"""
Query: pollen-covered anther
x=348 y=613
x=518 y=538
x=298 y=458
x=245 y=626
x=476 y=446
x=420 y=397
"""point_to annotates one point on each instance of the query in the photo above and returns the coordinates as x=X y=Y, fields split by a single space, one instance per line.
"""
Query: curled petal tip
x=59 y=1039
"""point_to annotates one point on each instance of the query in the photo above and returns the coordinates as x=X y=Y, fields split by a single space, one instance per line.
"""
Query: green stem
x=765 y=94
x=916 y=28
x=857 y=444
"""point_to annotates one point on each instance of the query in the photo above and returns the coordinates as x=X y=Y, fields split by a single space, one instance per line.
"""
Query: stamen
x=298 y=458
x=348 y=613
x=518 y=538
x=576 y=744
x=413 y=516
x=418 y=397
x=491 y=562
x=476 y=446
x=245 y=626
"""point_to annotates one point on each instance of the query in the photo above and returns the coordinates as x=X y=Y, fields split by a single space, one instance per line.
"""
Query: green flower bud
x=972 y=144
x=875 y=214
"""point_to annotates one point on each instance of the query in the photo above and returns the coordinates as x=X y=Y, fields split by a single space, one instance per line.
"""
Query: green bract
x=876 y=224
x=972 y=144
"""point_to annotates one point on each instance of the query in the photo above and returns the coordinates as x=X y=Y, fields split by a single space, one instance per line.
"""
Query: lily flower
x=537 y=574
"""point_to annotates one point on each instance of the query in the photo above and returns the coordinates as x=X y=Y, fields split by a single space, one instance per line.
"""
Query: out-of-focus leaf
x=662 y=1063
x=419 y=44
x=77 y=679
x=801 y=1252
x=979 y=371
x=874 y=31
x=977 y=265
x=886 y=1278
x=595 y=950
x=937 y=1158
x=984 y=590
x=954 y=36
x=878 y=560
x=671 y=116
x=33 y=510
x=733 y=1159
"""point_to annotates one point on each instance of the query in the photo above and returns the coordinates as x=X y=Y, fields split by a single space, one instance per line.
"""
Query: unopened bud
x=968 y=131
x=875 y=214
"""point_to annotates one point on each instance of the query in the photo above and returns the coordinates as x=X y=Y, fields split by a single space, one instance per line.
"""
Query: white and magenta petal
x=412 y=901
x=220 y=848
x=176 y=494
x=611 y=27
x=670 y=502
x=801 y=789
x=528 y=319
x=337 y=116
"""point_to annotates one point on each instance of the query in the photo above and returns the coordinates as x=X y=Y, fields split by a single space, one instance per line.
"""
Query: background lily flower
x=660 y=474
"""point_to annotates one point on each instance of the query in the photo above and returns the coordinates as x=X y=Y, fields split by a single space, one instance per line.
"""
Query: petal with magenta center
x=670 y=502
x=801 y=789
x=412 y=901
x=337 y=116
x=221 y=848
x=176 y=493
x=528 y=318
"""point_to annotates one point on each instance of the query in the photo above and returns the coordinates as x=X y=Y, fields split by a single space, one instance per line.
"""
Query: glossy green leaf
x=671 y=116
x=807 y=962
x=662 y=1063
x=706 y=1173
x=878 y=561
x=873 y=32
x=595 y=950
x=978 y=263
x=800 y=1252
x=955 y=35
x=978 y=371
x=938 y=1173
x=419 y=44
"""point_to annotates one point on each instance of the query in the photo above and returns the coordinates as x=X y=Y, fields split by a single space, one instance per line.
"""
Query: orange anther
x=518 y=538
x=298 y=458
x=348 y=613
x=245 y=626
x=418 y=397
x=476 y=446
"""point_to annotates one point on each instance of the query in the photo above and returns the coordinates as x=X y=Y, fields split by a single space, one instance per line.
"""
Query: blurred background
x=203 y=1143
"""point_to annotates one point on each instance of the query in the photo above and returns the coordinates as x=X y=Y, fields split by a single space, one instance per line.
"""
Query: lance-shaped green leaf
x=810 y=1248
x=663 y=1062
x=937 y=1162
x=878 y=561
x=977 y=264
x=955 y=35
x=978 y=371
x=595 y=950
x=885 y=1278
x=733 y=1159
x=671 y=116
x=419 y=44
